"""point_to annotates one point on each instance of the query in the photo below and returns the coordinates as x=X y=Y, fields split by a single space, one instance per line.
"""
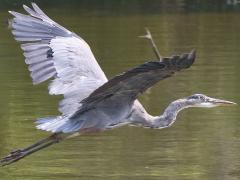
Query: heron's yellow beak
x=220 y=102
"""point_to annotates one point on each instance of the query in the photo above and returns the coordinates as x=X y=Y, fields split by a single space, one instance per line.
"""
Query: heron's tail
x=19 y=154
x=59 y=124
x=52 y=124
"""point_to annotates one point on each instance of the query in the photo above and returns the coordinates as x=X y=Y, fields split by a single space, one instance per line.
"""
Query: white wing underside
x=78 y=73
x=53 y=51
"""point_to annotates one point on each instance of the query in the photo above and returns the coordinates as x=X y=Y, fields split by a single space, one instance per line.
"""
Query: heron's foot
x=56 y=138
x=15 y=156
x=12 y=157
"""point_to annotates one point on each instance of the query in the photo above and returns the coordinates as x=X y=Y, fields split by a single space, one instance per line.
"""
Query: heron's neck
x=170 y=114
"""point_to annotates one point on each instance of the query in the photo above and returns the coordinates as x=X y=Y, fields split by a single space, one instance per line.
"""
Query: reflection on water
x=202 y=144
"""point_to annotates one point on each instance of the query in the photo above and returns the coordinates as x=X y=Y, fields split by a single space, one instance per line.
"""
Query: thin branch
x=154 y=47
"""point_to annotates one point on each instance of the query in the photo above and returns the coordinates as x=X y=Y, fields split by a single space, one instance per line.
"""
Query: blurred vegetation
x=133 y=6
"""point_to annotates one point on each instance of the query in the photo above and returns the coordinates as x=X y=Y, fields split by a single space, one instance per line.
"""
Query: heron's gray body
x=105 y=115
x=113 y=102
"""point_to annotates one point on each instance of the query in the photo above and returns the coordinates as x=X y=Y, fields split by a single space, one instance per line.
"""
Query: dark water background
x=202 y=144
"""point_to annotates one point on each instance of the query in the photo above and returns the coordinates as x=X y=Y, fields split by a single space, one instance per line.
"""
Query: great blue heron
x=91 y=103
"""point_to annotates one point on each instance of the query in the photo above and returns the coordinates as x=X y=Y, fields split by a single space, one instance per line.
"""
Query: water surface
x=202 y=144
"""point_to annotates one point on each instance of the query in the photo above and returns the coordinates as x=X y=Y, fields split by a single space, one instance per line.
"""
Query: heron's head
x=201 y=100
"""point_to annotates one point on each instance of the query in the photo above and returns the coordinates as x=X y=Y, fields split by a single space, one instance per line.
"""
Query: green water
x=202 y=144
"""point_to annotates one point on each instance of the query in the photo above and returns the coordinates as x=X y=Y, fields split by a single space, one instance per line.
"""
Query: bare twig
x=154 y=47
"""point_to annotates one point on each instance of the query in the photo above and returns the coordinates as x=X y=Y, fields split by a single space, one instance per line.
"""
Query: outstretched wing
x=135 y=81
x=50 y=50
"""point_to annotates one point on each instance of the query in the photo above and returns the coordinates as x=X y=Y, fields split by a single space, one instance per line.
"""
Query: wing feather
x=130 y=84
x=51 y=50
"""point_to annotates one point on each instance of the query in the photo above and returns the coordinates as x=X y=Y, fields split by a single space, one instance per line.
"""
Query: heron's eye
x=194 y=97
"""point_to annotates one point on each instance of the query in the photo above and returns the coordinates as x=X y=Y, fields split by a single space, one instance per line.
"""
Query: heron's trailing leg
x=21 y=153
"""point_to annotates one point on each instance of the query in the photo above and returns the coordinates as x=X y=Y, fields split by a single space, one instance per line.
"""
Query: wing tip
x=191 y=57
x=192 y=54
x=25 y=6
x=11 y=12
x=34 y=5
x=186 y=60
